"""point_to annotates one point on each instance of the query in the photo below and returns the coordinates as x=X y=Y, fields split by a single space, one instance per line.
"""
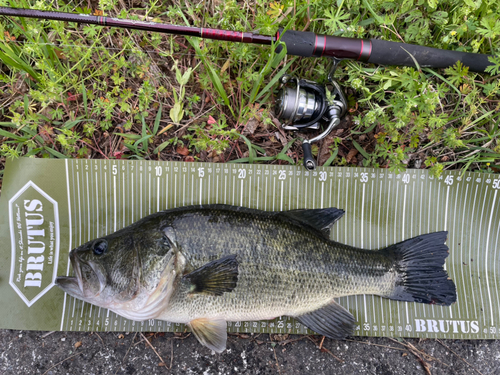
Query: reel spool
x=303 y=104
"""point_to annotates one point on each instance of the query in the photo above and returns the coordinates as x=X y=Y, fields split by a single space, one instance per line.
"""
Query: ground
x=33 y=352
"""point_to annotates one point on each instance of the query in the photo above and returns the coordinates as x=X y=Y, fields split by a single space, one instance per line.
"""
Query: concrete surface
x=31 y=352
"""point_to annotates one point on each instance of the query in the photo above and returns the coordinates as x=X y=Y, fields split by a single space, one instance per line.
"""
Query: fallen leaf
x=182 y=150
x=78 y=344
x=352 y=153
x=251 y=126
x=189 y=159
x=121 y=336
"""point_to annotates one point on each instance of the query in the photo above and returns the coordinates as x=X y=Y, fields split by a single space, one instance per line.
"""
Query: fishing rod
x=301 y=104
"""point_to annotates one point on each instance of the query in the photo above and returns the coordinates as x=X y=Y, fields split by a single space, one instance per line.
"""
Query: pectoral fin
x=332 y=321
x=214 y=278
x=211 y=333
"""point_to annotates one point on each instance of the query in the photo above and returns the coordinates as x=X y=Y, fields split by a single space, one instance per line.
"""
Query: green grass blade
x=157 y=121
x=55 y=153
x=360 y=149
x=331 y=158
x=5 y=133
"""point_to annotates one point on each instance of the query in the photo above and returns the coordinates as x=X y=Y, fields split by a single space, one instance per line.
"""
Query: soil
x=33 y=352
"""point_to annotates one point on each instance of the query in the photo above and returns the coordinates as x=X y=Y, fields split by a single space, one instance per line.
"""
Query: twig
x=57 y=364
x=276 y=357
x=447 y=347
x=326 y=350
x=417 y=353
x=125 y=356
x=282 y=343
x=321 y=343
x=413 y=350
x=152 y=347
x=171 y=354
x=47 y=334
x=383 y=346
x=100 y=338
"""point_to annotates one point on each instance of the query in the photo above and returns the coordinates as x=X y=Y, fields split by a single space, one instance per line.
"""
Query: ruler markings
x=396 y=222
x=469 y=260
x=403 y=235
x=258 y=192
x=362 y=233
x=68 y=192
x=210 y=189
x=141 y=195
x=378 y=243
x=346 y=205
x=88 y=206
x=158 y=194
x=478 y=262
x=314 y=193
x=462 y=250
x=322 y=193
x=184 y=190
x=429 y=226
x=497 y=265
x=453 y=240
x=225 y=189
x=274 y=193
x=486 y=257
x=413 y=188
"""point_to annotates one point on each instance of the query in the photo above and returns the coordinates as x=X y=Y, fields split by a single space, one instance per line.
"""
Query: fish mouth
x=72 y=285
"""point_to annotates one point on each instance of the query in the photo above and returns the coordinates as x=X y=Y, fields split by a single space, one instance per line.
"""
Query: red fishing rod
x=298 y=43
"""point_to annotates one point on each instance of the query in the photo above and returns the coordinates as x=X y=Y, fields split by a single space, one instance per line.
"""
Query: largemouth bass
x=206 y=265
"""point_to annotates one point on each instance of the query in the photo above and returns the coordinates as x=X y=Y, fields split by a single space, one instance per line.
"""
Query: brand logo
x=445 y=326
x=34 y=233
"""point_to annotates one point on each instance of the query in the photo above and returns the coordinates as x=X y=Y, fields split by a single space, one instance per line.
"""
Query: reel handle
x=309 y=162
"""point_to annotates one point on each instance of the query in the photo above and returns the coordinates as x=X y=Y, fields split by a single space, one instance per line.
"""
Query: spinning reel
x=303 y=104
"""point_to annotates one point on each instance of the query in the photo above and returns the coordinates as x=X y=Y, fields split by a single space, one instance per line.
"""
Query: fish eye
x=100 y=247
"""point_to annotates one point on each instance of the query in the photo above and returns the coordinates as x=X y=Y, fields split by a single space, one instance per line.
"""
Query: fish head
x=107 y=271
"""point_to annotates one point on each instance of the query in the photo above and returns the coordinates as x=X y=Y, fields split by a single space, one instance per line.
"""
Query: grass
x=83 y=91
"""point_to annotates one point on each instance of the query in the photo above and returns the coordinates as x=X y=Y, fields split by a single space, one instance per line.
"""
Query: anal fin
x=214 y=278
x=332 y=321
x=211 y=333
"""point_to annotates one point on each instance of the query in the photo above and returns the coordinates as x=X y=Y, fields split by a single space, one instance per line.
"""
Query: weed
x=71 y=90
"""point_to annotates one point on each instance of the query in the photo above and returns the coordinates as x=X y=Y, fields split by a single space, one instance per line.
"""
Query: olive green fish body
x=284 y=267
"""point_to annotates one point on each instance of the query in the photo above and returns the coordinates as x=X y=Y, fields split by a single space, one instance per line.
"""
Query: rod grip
x=393 y=53
x=298 y=43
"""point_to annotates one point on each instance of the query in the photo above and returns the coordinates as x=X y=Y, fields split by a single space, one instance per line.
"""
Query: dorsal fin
x=321 y=219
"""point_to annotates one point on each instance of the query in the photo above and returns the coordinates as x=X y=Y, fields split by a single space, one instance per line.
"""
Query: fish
x=207 y=265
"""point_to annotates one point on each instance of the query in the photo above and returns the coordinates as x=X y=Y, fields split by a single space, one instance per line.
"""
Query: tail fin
x=419 y=265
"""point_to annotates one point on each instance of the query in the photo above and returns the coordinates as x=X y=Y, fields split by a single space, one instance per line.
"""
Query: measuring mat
x=52 y=206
